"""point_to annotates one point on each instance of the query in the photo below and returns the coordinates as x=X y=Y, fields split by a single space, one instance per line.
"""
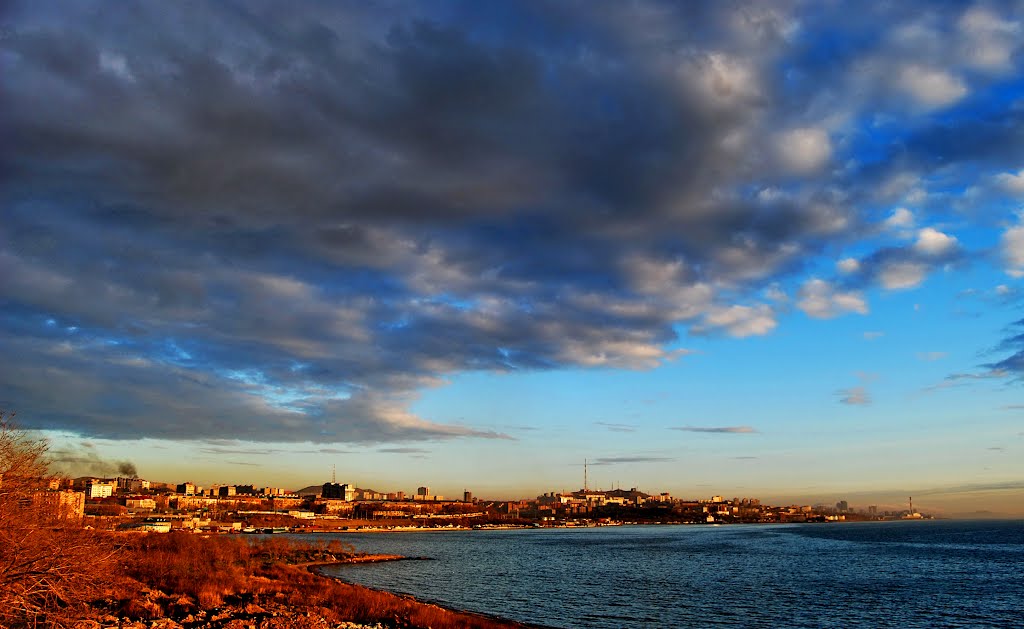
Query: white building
x=99 y=489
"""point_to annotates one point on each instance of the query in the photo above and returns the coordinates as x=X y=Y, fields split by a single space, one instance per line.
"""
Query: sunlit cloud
x=854 y=396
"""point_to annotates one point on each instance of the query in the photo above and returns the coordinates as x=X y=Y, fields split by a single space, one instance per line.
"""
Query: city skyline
x=761 y=249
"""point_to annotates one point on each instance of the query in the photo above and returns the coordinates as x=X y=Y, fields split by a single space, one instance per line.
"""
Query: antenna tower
x=585 y=488
x=334 y=479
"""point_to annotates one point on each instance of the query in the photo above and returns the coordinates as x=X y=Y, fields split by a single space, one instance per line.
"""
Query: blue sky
x=766 y=249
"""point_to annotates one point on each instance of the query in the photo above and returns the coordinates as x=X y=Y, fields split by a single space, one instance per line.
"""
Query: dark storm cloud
x=281 y=224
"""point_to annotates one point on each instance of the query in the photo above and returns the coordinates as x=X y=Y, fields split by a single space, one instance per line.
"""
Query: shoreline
x=356 y=559
x=315 y=568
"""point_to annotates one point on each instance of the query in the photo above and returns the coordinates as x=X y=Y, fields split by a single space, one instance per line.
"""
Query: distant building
x=140 y=504
x=333 y=506
x=189 y=503
x=187 y=489
x=99 y=489
x=131 y=484
x=60 y=505
x=423 y=491
x=154 y=526
x=467 y=496
x=338 y=491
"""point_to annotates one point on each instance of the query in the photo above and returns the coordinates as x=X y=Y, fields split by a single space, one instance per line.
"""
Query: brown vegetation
x=55 y=573
x=262 y=580
x=49 y=567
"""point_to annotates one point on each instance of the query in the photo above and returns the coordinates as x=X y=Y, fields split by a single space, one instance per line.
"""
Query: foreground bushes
x=49 y=567
x=263 y=573
x=53 y=573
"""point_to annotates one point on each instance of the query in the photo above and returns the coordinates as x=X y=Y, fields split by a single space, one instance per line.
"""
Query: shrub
x=49 y=567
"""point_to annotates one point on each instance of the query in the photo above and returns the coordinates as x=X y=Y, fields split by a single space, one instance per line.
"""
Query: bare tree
x=49 y=565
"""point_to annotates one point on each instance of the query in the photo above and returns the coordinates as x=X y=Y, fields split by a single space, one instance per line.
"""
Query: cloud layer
x=284 y=224
x=734 y=430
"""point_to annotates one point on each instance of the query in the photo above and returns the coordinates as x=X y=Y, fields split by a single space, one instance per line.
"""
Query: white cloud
x=932 y=242
x=820 y=300
x=1011 y=182
x=900 y=275
x=776 y=294
x=1012 y=246
x=855 y=396
x=848 y=265
x=897 y=186
x=900 y=218
x=803 y=150
x=741 y=321
x=116 y=64
x=723 y=80
x=988 y=41
x=931 y=87
x=871 y=335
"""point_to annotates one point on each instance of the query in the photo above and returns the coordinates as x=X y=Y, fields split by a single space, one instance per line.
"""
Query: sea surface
x=873 y=574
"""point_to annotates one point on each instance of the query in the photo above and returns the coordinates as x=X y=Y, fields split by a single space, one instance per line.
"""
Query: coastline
x=315 y=568
x=184 y=581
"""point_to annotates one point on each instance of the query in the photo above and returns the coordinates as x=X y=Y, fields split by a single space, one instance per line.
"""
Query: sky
x=766 y=249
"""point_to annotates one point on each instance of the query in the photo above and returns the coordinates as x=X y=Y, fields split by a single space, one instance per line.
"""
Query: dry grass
x=212 y=570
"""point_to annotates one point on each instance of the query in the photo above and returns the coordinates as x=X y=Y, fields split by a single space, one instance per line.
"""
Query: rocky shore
x=286 y=592
x=180 y=612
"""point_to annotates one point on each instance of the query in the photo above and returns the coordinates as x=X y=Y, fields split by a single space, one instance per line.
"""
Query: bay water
x=872 y=574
